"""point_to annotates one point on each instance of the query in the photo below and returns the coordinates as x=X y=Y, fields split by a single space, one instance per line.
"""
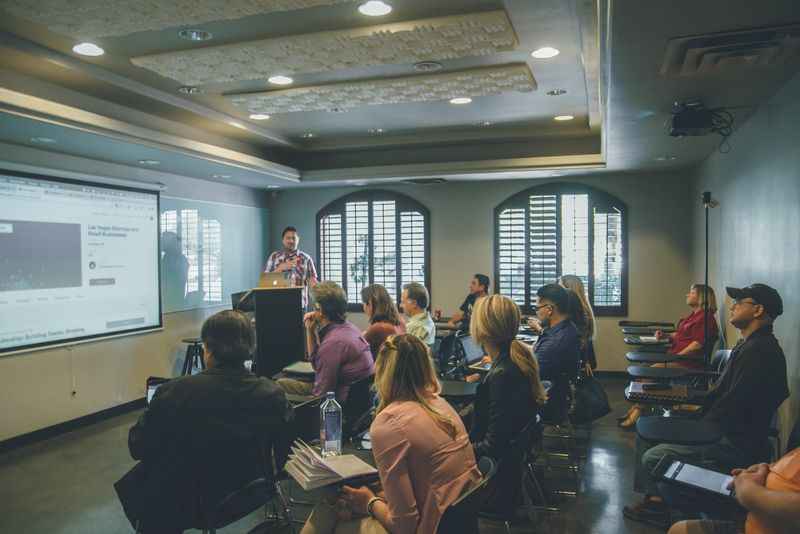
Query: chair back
x=358 y=406
x=450 y=349
x=250 y=495
x=306 y=419
x=461 y=517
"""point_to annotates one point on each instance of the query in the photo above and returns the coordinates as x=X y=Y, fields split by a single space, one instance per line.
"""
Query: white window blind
x=412 y=248
x=330 y=231
x=373 y=239
x=212 y=260
x=553 y=230
x=357 y=224
x=608 y=259
x=511 y=257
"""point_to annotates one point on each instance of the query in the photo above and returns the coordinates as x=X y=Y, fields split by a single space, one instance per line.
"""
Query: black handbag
x=591 y=401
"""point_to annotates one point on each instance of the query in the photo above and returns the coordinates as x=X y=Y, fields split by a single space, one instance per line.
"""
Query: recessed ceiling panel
x=441 y=38
x=88 y=19
x=424 y=88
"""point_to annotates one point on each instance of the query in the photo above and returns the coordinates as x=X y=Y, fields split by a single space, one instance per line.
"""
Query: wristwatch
x=371 y=505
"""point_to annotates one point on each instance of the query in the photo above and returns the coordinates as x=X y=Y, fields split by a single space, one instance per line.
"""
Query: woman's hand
x=357 y=498
x=472 y=378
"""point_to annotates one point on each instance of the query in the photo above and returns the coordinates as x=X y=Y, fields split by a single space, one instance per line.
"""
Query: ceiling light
x=308 y=135
x=556 y=92
x=259 y=116
x=427 y=66
x=238 y=125
x=149 y=162
x=563 y=117
x=375 y=8
x=280 y=80
x=88 y=49
x=195 y=35
x=485 y=124
x=460 y=100
x=666 y=158
x=189 y=90
x=545 y=53
x=43 y=140
x=221 y=176
x=376 y=131
x=273 y=187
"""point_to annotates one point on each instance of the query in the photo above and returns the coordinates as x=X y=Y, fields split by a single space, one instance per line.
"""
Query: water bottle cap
x=330 y=394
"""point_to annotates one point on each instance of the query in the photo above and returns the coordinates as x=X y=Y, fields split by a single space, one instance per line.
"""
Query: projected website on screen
x=77 y=261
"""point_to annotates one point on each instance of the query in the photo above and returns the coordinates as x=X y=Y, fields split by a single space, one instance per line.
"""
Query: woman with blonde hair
x=509 y=396
x=582 y=316
x=421 y=450
x=384 y=319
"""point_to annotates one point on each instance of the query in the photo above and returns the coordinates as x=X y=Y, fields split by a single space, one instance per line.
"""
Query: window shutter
x=575 y=237
x=511 y=254
x=608 y=258
x=330 y=231
x=212 y=260
x=384 y=245
x=543 y=245
x=189 y=230
x=412 y=247
x=357 y=249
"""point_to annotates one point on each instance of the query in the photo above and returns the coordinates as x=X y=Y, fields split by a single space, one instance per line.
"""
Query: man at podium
x=297 y=263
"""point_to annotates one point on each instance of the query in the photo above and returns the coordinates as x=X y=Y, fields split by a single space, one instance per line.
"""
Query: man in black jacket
x=742 y=401
x=205 y=435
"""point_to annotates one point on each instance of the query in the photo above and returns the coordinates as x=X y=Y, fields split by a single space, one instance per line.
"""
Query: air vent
x=425 y=181
x=729 y=51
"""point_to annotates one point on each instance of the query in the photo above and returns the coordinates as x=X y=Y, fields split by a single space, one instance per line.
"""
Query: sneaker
x=653 y=513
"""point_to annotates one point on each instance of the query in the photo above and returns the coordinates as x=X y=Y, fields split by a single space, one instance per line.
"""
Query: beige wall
x=37 y=387
x=754 y=231
x=462 y=240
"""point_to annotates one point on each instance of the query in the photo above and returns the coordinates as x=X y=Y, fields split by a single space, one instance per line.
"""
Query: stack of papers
x=312 y=471
x=651 y=339
x=301 y=368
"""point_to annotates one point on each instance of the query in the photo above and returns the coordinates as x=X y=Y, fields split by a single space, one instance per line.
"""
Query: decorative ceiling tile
x=88 y=19
x=424 y=88
x=440 y=38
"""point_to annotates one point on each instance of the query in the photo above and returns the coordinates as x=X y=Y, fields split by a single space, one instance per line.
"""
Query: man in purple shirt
x=339 y=354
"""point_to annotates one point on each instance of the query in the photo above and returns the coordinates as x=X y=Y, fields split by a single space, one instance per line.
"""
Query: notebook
x=312 y=471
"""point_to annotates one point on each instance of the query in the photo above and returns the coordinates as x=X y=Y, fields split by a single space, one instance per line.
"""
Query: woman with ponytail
x=508 y=397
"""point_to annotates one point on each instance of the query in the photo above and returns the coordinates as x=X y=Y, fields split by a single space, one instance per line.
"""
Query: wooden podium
x=280 y=335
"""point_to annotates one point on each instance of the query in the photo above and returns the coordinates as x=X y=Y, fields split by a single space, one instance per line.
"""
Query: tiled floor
x=64 y=485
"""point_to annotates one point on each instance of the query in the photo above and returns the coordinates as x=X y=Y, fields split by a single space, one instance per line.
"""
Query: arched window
x=374 y=237
x=550 y=230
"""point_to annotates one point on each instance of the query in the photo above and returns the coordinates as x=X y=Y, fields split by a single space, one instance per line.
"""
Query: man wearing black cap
x=742 y=401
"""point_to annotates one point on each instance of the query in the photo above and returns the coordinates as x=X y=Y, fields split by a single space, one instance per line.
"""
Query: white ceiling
x=369 y=113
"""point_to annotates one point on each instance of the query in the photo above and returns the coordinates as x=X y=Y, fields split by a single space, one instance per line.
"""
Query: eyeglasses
x=537 y=306
x=740 y=302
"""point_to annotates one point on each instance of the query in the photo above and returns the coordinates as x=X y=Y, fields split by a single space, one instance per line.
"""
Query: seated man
x=415 y=305
x=769 y=493
x=339 y=354
x=204 y=435
x=558 y=348
x=478 y=287
x=742 y=401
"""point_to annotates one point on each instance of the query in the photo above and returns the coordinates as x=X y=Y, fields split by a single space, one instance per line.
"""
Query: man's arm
x=778 y=509
x=312 y=272
x=329 y=359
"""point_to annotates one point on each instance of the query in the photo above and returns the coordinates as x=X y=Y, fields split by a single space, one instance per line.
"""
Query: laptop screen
x=472 y=351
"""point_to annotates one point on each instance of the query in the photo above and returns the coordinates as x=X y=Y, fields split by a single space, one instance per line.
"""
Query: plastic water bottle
x=330 y=428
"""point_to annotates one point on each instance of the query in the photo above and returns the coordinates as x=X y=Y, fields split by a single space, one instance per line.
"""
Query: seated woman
x=509 y=396
x=687 y=340
x=384 y=319
x=421 y=450
x=582 y=315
